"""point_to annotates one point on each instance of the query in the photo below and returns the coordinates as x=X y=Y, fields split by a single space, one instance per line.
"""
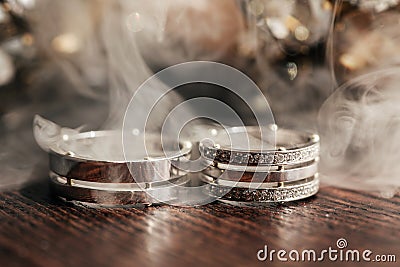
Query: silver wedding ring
x=85 y=167
x=283 y=171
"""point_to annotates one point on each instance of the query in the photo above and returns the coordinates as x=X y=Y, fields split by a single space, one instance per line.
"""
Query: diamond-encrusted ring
x=292 y=147
x=229 y=177
x=282 y=193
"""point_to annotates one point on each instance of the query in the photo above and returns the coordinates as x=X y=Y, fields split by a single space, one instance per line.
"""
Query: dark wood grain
x=38 y=230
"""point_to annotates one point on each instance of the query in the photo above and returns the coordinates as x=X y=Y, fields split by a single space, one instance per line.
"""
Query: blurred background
x=78 y=62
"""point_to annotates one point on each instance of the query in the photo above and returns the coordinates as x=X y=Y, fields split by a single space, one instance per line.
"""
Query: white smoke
x=360 y=133
x=359 y=122
x=102 y=43
x=99 y=46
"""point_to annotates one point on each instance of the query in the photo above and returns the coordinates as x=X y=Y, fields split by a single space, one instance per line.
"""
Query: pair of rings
x=84 y=169
x=288 y=171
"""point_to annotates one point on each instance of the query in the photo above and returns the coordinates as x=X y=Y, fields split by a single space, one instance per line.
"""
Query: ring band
x=288 y=192
x=285 y=175
x=305 y=150
x=149 y=169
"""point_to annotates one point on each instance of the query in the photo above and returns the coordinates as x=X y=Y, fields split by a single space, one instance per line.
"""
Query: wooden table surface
x=39 y=230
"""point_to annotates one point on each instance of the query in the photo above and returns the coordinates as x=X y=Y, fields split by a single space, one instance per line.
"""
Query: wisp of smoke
x=360 y=132
x=99 y=45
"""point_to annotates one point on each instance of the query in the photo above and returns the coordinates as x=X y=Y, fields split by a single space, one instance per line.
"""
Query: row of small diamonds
x=275 y=195
x=278 y=157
